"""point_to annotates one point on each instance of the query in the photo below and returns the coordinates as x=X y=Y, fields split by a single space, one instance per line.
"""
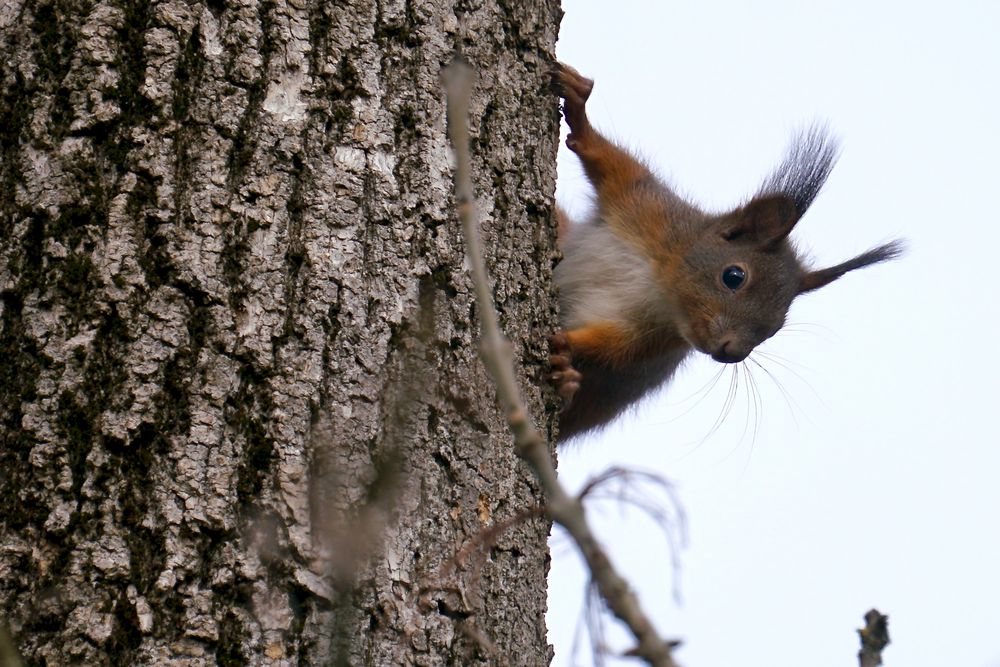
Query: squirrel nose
x=728 y=351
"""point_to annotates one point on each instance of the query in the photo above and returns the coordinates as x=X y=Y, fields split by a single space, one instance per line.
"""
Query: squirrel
x=650 y=277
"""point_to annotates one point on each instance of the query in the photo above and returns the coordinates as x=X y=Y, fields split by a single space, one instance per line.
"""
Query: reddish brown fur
x=663 y=265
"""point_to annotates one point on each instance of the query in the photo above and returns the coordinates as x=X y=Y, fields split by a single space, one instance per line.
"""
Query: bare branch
x=874 y=638
x=562 y=508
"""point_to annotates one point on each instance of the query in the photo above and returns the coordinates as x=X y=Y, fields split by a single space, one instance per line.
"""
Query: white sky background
x=880 y=486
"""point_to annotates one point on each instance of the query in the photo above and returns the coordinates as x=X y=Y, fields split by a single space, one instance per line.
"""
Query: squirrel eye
x=733 y=277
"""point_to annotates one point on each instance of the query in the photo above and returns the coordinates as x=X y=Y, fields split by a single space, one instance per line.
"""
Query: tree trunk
x=244 y=420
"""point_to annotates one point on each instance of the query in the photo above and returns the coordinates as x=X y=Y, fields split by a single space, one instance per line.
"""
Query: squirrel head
x=740 y=274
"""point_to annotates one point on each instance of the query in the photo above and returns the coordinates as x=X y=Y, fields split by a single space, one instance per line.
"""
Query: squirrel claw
x=570 y=84
x=575 y=89
x=567 y=384
x=564 y=377
x=559 y=343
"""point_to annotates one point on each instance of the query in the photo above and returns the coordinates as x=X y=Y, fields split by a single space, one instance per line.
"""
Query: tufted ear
x=813 y=280
x=764 y=221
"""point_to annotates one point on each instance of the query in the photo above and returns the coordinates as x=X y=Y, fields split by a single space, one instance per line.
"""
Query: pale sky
x=877 y=481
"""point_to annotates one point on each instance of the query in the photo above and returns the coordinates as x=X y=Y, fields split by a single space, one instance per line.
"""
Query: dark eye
x=733 y=277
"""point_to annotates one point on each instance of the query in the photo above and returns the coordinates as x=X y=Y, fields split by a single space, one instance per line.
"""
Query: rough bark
x=243 y=417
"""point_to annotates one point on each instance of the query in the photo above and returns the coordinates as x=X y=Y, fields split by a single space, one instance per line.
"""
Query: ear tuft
x=806 y=166
x=813 y=280
x=764 y=221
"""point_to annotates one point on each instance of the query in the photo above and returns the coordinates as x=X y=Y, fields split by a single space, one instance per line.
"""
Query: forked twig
x=531 y=447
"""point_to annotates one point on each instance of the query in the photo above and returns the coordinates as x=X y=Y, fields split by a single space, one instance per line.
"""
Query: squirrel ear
x=764 y=221
x=813 y=280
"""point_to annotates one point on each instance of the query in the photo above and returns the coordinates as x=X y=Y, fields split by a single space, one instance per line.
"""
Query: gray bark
x=243 y=417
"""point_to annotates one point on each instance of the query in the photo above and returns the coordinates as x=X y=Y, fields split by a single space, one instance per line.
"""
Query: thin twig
x=638 y=489
x=488 y=537
x=874 y=638
x=498 y=358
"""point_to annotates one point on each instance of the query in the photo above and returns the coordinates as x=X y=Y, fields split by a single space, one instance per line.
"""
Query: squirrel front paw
x=564 y=377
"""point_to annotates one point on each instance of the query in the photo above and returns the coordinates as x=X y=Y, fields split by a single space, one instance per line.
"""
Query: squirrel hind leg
x=574 y=89
x=613 y=171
